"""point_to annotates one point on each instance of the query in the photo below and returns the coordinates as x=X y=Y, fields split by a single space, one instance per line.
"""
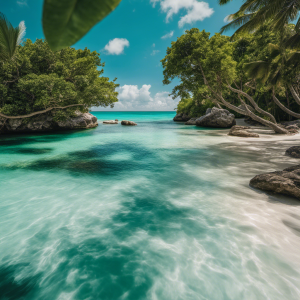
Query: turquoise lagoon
x=159 y=211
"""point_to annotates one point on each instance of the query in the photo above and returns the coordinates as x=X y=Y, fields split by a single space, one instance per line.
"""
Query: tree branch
x=39 y=112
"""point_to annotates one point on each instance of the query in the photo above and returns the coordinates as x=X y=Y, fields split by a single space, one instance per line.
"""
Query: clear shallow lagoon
x=159 y=211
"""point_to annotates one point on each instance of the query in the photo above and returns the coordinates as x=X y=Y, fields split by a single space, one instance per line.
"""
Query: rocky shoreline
x=47 y=123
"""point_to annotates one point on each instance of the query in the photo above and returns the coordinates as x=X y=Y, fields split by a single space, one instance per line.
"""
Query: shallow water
x=157 y=211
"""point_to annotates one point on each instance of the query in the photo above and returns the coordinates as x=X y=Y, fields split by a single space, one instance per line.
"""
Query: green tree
x=255 y=13
x=208 y=64
x=68 y=79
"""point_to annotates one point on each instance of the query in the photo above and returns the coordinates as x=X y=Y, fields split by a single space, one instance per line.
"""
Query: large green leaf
x=67 y=21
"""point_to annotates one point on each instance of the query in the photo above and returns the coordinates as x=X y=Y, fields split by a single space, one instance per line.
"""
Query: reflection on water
x=156 y=211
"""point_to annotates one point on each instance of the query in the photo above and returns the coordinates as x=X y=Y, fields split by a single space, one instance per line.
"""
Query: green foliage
x=10 y=38
x=192 y=107
x=39 y=78
x=224 y=62
x=67 y=21
x=255 y=13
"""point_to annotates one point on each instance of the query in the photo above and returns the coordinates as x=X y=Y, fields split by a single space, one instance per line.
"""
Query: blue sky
x=133 y=39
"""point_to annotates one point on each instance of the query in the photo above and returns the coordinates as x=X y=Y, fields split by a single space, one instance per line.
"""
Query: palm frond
x=236 y=21
x=10 y=37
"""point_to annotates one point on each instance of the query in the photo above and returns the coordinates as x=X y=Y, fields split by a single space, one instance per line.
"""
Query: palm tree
x=10 y=38
x=254 y=13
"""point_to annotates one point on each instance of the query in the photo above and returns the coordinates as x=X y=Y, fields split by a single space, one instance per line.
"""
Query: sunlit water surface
x=157 y=211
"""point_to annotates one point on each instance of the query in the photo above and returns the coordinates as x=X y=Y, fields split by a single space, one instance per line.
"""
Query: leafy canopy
x=46 y=79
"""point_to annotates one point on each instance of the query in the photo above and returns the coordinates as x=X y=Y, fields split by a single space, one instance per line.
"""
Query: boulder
x=293 y=152
x=182 y=117
x=252 y=122
x=289 y=123
x=243 y=107
x=285 y=182
x=191 y=121
x=216 y=117
x=242 y=131
x=128 y=123
x=110 y=122
x=81 y=121
x=46 y=123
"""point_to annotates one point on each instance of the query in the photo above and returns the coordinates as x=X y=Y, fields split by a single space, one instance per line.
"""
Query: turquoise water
x=156 y=211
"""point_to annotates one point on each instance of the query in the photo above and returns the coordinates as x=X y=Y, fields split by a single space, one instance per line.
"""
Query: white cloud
x=195 y=10
x=153 y=45
x=168 y=35
x=116 y=46
x=131 y=98
x=154 y=52
x=226 y=19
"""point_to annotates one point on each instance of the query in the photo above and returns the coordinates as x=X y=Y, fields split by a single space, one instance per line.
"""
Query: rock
x=46 y=123
x=288 y=123
x=110 y=122
x=241 y=131
x=208 y=111
x=292 y=128
x=82 y=121
x=116 y=120
x=128 y=123
x=293 y=152
x=191 y=121
x=252 y=122
x=182 y=117
x=242 y=106
x=285 y=182
x=216 y=117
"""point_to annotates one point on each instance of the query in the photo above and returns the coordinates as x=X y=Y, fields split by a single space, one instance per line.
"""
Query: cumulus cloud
x=116 y=46
x=195 y=10
x=168 y=35
x=133 y=98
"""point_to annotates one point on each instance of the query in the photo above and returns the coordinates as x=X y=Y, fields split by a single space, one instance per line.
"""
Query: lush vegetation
x=65 y=22
x=36 y=80
x=254 y=68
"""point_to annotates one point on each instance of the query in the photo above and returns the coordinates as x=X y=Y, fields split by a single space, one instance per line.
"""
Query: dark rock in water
x=217 y=118
x=46 y=123
x=128 y=123
x=182 y=117
x=242 y=131
x=191 y=121
x=293 y=152
x=285 y=182
x=110 y=122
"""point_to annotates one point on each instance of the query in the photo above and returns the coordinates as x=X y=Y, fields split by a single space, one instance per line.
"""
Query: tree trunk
x=294 y=93
x=284 y=108
x=257 y=108
x=247 y=112
x=38 y=112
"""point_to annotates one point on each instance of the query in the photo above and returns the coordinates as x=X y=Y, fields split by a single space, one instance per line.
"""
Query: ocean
x=159 y=211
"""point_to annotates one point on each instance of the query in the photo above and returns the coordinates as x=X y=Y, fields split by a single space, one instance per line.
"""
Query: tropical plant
x=205 y=63
x=255 y=13
x=67 y=80
x=65 y=22
x=10 y=38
